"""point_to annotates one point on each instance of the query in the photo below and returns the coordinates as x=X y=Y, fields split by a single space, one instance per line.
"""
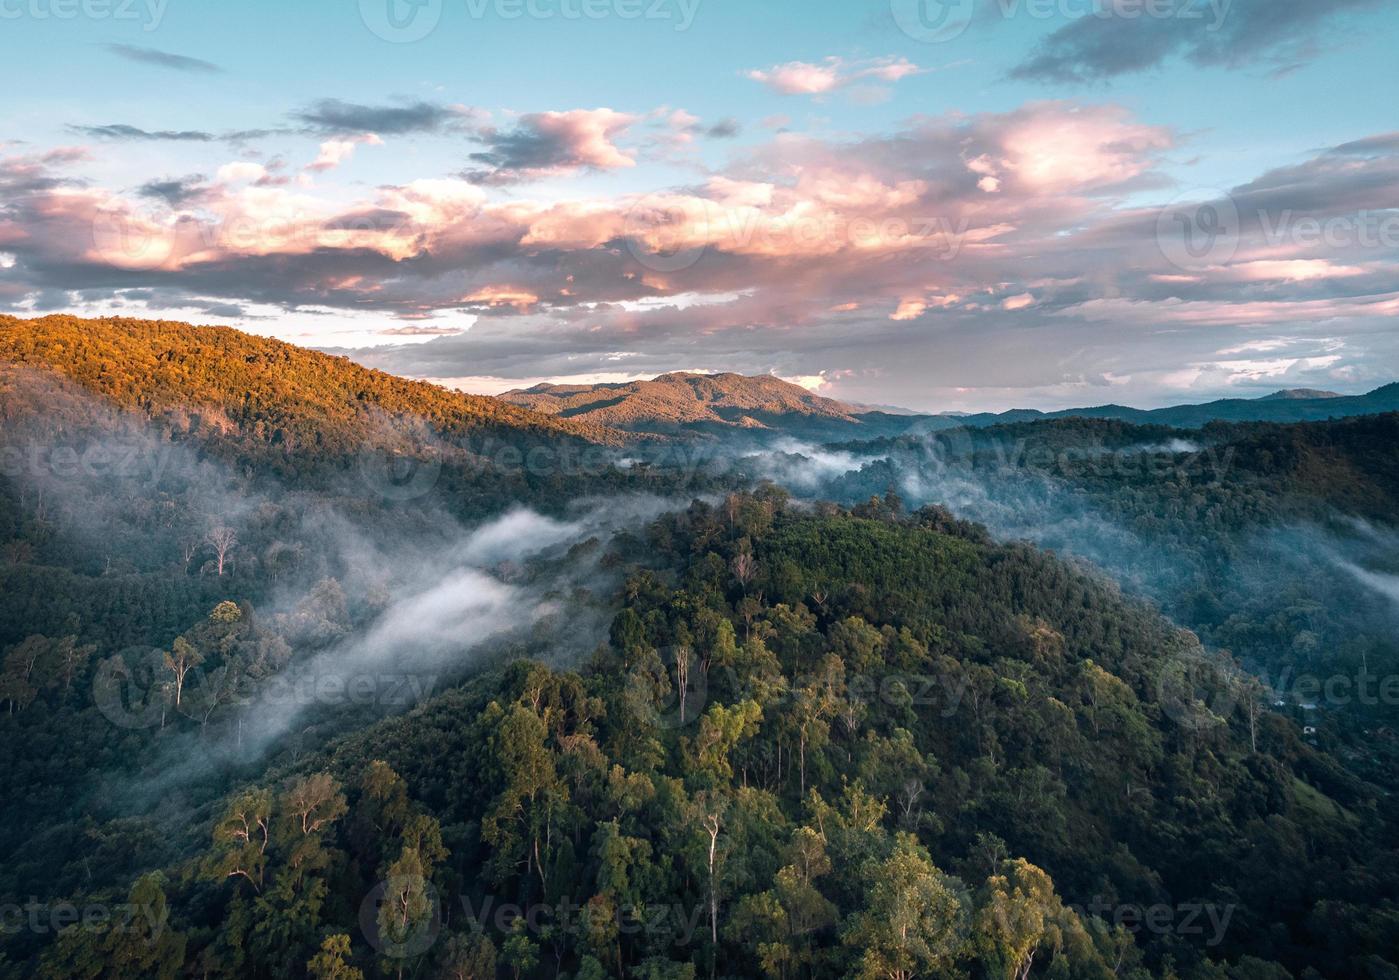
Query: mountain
x=1300 y=394
x=761 y=408
x=713 y=404
x=1297 y=405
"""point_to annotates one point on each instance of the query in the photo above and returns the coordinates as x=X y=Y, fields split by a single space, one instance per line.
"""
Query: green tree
x=915 y=921
x=329 y=963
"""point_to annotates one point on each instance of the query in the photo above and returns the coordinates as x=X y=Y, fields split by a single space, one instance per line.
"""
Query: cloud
x=806 y=78
x=724 y=129
x=337 y=117
x=1120 y=40
x=547 y=143
x=121 y=131
x=882 y=260
x=421 y=331
x=520 y=300
x=335 y=152
x=162 y=59
x=174 y=191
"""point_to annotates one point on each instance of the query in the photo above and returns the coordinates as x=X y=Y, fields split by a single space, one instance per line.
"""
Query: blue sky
x=502 y=190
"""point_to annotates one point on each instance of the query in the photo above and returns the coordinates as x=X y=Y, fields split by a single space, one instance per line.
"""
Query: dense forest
x=1274 y=542
x=269 y=711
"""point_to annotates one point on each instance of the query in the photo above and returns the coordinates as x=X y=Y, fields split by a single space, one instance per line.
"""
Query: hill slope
x=254 y=389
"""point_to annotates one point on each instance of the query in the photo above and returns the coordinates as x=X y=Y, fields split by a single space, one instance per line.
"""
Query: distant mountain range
x=764 y=406
x=1294 y=405
x=166 y=370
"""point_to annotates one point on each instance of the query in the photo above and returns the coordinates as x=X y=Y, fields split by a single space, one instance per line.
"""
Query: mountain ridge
x=682 y=399
x=725 y=402
x=1290 y=405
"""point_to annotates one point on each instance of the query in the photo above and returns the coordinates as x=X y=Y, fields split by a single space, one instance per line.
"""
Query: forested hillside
x=1277 y=543
x=270 y=403
x=815 y=745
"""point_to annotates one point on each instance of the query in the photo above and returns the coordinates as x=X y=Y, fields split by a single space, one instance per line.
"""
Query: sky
x=947 y=205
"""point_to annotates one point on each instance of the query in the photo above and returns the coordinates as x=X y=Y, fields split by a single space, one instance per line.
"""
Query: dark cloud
x=125 y=133
x=1380 y=145
x=163 y=59
x=174 y=191
x=546 y=143
x=335 y=116
x=122 y=132
x=521 y=150
x=724 y=129
x=1280 y=34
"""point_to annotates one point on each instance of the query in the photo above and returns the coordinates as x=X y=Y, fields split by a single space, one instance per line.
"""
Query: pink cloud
x=335 y=152
x=806 y=78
